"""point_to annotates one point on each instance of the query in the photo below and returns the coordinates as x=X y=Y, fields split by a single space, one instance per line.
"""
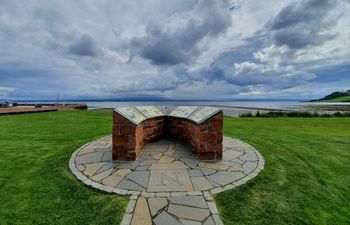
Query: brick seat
x=129 y=137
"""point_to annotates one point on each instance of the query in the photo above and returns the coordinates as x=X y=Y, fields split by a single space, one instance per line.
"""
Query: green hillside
x=339 y=99
x=335 y=97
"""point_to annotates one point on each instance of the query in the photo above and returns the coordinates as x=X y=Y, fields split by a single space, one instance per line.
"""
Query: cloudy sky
x=190 y=49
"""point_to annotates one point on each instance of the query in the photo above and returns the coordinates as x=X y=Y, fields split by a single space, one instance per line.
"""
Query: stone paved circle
x=167 y=179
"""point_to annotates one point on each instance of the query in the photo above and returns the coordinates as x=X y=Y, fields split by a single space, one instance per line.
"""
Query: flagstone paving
x=167 y=183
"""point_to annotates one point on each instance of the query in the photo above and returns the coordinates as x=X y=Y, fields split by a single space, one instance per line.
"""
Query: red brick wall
x=128 y=139
x=124 y=138
x=153 y=129
x=205 y=138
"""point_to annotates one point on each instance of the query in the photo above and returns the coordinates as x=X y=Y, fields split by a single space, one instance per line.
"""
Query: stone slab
x=147 y=162
x=157 y=155
x=107 y=166
x=107 y=156
x=100 y=144
x=81 y=167
x=230 y=154
x=150 y=111
x=122 y=172
x=89 y=158
x=195 y=201
x=156 y=204
x=177 y=165
x=185 y=155
x=104 y=149
x=130 y=185
x=128 y=165
x=203 y=114
x=166 y=159
x=186 y=212
x=86 y=151
x=165 y=218
x=169 y=152
x=191 y=162
x=214 y=166
x=209 y=221
x=112 y=180
x=142 y=168
x=144 y=156
x=139 y=177
x=183 y=111
x=98 y=177
x=207 y=171
x=189 y=222
x=201 y=184
x=141 y=214
x=131 y=113
x=152 y=147
x=249 y=157
x=195 y=173
x=91 y=169
x=169 y=180
x=248 y=167
x=214 y=184
x=225 y=177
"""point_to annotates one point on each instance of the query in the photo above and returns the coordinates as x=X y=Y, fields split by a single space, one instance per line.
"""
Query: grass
x=305 y=181
x=36 y=186
x=306 y=177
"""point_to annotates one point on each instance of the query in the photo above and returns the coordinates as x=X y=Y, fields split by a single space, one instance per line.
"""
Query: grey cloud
x=85 y=46
x=175 y=39
x=181 y=48
x=302 y=23
x=303 y=12
x=277 y=80
x=296 y=39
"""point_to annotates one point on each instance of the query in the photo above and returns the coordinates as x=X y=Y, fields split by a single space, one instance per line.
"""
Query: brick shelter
x=199 y=127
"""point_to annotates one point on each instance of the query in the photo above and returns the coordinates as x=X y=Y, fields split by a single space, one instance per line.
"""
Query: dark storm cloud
x=175 y=40
x=303 y=23
x=85 y=46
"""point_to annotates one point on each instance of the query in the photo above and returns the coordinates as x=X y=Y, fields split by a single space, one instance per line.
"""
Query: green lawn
x=306 y=178
x=36 y=186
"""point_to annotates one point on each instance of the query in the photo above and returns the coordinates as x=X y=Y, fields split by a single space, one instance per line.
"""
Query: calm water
x=252 y=104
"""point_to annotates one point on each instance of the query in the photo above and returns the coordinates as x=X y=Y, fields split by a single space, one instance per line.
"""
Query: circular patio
x=165 y=167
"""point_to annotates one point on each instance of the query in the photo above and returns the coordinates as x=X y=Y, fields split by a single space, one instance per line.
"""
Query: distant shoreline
x=40 y=108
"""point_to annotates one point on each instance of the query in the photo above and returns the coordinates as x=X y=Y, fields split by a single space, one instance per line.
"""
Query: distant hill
x=335 y=97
